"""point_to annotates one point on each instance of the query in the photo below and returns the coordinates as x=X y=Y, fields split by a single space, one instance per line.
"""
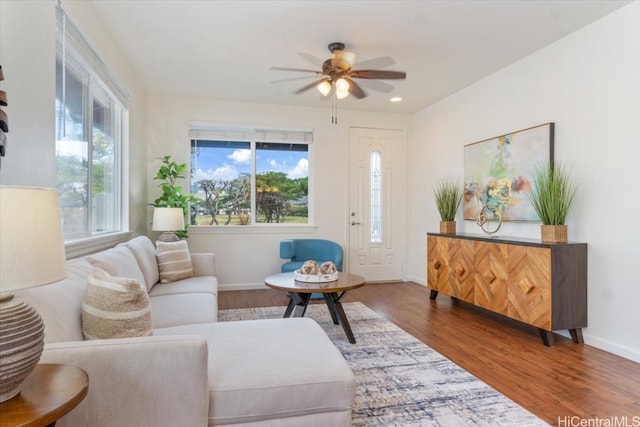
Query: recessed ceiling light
x=396 y=99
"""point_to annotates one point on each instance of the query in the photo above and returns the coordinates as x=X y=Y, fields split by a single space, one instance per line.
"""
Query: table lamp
x=168 y=220
x=31 y=254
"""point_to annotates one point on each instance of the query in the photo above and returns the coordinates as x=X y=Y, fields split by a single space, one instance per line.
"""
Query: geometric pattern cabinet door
x=491 y=274
x=529 y=271
x=540 y=284
x=450 y=267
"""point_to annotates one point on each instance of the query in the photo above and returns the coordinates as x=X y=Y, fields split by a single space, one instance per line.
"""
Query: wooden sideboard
x=540 y=284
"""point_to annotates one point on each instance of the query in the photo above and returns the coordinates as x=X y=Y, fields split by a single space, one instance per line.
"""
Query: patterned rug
x=401 y=381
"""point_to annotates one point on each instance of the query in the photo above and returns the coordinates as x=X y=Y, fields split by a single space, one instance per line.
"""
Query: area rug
x=401 y=381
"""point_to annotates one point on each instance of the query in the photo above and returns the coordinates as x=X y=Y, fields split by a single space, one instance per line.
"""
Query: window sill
x=81 y=247
x=251 y=229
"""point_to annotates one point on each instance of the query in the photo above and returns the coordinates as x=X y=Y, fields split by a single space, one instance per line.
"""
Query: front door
x=376 y=202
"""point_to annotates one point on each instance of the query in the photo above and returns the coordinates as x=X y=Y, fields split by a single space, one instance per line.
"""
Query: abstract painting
x=499 y=171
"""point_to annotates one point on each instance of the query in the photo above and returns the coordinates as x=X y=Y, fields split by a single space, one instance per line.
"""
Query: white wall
x=244 y=257
x=589 y=85
x=27 y=56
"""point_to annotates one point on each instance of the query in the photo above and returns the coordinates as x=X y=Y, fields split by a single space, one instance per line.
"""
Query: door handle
x=355 y=223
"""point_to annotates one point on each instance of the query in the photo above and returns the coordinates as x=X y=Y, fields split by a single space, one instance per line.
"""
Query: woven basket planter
x=554 y=233
x=447 y=227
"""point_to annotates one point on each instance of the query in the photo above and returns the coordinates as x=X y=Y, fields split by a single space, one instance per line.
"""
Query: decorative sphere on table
x=328 y=268
x=309 y=267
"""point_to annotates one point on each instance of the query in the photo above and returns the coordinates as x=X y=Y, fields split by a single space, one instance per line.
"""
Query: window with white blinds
x=91 y=133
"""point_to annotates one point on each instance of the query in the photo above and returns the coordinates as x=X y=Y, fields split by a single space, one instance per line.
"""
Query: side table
x=48 y=393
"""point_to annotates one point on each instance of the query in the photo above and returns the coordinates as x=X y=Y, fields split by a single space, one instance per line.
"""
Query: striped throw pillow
x=115 y=307
x=174 y=261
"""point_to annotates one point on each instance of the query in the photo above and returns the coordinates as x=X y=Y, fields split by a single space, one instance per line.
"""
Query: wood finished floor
x=555 y=383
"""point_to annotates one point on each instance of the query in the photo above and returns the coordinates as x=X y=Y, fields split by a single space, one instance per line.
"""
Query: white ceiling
x=224 y=49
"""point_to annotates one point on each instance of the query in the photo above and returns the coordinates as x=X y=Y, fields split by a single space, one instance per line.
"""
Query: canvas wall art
x=499 y=171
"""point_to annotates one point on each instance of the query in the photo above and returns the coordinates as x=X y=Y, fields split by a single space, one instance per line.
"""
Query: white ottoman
x=277 y=372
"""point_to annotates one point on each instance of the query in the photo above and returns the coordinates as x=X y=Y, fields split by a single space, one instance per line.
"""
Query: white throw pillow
x=115 y=307
x=174 y=261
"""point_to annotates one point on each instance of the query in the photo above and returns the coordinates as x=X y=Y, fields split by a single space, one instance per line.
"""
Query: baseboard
x=612 y=347
x=242 y=287
x=419 y=280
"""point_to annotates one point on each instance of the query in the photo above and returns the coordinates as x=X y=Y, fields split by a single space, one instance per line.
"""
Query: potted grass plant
x=448 y=196
x=551 y=196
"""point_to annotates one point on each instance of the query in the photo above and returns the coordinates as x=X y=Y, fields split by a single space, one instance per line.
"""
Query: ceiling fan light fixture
x=324 y=88
x=342 y=88
x=343 y=59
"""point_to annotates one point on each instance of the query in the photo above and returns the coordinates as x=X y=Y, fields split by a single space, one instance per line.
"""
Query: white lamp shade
x=168 y=219
x=31 y=242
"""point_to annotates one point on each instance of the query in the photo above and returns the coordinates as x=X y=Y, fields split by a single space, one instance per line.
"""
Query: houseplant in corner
x=551 y=196
x=448 y=197
x=172 y=195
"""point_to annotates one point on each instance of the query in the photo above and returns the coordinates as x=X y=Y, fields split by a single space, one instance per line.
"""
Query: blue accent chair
x=300 y=250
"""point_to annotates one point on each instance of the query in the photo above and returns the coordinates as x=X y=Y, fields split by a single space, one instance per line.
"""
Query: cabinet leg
x=433 y=295
x=547 y=337
x=576 y=335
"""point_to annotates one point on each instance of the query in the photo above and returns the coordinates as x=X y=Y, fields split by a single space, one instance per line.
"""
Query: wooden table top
x=48 y=393
x=286 y=282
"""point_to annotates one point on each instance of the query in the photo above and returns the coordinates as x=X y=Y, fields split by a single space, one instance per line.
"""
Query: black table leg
x=297 y=306
x=335 y=308
x=330 y=303
x=290 y=306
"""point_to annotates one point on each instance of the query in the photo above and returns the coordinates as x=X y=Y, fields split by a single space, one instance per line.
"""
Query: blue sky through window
x=227 y=160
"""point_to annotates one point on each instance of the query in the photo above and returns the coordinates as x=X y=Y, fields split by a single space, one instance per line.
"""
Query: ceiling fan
x=339 y=71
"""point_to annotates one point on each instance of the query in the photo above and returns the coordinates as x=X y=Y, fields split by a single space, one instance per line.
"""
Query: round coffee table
x=333 y=293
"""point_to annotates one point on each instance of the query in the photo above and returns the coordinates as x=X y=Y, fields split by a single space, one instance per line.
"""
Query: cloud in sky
x=301 y=170
x=225 y=173
x=242 y=157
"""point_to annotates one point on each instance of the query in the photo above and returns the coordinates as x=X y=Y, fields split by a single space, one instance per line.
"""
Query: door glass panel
x=376 y=197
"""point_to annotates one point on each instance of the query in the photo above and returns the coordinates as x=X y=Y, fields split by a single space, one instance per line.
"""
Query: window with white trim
x=91 y=128
x=250 y=176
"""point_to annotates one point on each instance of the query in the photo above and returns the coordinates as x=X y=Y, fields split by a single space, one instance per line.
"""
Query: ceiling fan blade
x=311 y=85
x=302 y=70
x=376 y=85
x=313 y=59
x=354 y=89
x=292 y=79
x=378 y=74
x=375 y=63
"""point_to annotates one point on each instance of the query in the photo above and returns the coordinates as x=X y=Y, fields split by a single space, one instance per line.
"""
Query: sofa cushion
x=261 y=370
x=115 y=307
x=145 y=255
x=174 y=261
x=198 y=284
x=118 y=262
x=183 y=309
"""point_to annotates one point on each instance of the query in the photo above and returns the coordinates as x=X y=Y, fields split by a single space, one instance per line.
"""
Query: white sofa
x=193 y=371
